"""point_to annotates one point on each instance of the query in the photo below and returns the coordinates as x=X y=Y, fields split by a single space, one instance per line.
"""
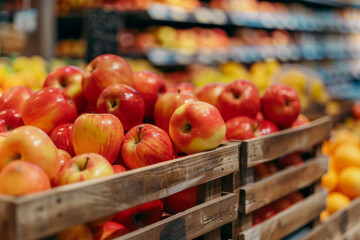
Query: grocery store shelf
x=335 y=3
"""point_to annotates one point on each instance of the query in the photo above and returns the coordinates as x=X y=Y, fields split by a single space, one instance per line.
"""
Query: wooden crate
x=338 y=224
x=43 y=214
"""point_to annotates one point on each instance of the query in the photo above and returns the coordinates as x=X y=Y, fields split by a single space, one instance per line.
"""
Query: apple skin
x=62 y=137
x=77 y=232
x=355 y=110
x=259 y=117
x=241 y=128
x=48 y=108
x=263 y=214
x=293 y=159
x=280 y=104
x=10 y=119
x=124 y=102
x=281 y=204
x=185 y=87
x=105 y=70
x=20 y=178
x=140 y=216
x=271 y=167
x=260 y=171
x=110 y=230
x=30 y=144
x=181 y=201
x=210 y=93
x=196 y=127
x=295 y=197
x=300 y=120
x=84 y=167
x=266 y=127
x=145 y=145
x=68 y=78
x=15 y=98
x=98 y=133
x=150 y=86
x=118 y=168
x=166 y=105
x=239 y=98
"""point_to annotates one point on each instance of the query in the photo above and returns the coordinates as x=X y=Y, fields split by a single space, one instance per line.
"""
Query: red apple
x=64 y=157
x=295 y=197
x=10 y=119
x=271 y=167
x=110 y=230
x=281 y=204
x=166 y=105
x=20 y=177
x=98 y=133
x=266 y=127
x=263 y=214
x=150 y=86
x=196 y=127
x=239 y=98
x=185 y=87
x=280 y=104
x=78 y=232
x=15 y=98
x=293 y=159
x=145 y=145
x=62 y=137
x=124 y=102
x=300 y=120
x=84 y=167
x=30 y=144
x=241 y=128
x=104 y=71
x=355 y=109
x=48 y=108
x=140 y=216
x=260 y=172
x=210 y=93
x=98 y=223
x=68 y=78
x=259 y=117
x=182 y=200
x=118 y=168
x=170 y=88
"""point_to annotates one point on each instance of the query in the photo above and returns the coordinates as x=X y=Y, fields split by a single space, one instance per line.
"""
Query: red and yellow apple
x=210 y=93
x=110 y=230
x=62 y=137
x=10 y=119
x=15 y=98
x=300 y=120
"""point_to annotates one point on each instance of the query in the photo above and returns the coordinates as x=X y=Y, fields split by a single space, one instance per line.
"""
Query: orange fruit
x=325 y=147
x=342 y=136
x=336 y=201
x=346 y=155
x=330 y=180
x=349 y=182
x=324 y=215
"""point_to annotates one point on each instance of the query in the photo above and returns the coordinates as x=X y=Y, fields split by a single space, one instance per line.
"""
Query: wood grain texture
x=49 y=212
x=288 y=220
x=8 y=218
x=272 y=146
x=258 y=194
x=352 y=234
x=213 y=191
x=191 y=223
x=337 y=224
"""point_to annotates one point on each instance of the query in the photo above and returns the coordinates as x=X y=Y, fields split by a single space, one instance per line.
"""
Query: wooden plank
x=272 y=146
x=213 y=191
x=191 y=223
x=352 y=234
x=258 y=194
x=288 y=220
x=49 y=212
x=7 y=218
x=337 y=224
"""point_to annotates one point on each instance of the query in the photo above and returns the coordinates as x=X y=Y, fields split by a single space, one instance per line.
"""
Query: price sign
x=26 y=20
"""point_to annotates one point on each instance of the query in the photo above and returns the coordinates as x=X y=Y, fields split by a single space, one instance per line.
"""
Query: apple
x=110 y=230
x=271 y=167
x=98 y=223
x=62 y=137
x=64 y=157
x=33 y=145
x=266 y=127
x=170 y=88
x=210 y=93
x=239 y=98
x=300 y=120
x=181 y=201
x=259 y=117
x=260 y=172
x=105 y=70
x=20 y=178
x=15 y=98
x=263 y=214
x=118 y=168
x=145 y=145
x=124 y=102
x=68 y=78
x=293 y=159
x=355 y=109
x=150 y=86
x=48 y=108
x=166 y=105
x=140 y=216
x=281 y=204
x=84 y=167
x=10 y=119
x=280 y=104
x=241 y=128
x=80 y=232
x=295 y=197
x=185 y=87
x=98 y=133
x=196 y=127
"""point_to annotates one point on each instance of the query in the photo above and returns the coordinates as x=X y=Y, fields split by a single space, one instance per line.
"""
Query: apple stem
x=236 y=95
x=179 y=90
x=86 y=163
x=139 y=130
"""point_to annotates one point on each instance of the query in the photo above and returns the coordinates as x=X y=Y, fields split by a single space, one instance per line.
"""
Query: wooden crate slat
x=288 y=220
x=191 y=223
x=258 y=194
x=338 y=223
x=7 y=214
x=352 y=234
x=272 y=146
x=49 y=212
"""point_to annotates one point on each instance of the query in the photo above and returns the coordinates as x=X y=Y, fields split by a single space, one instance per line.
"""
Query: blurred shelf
x=335 y=3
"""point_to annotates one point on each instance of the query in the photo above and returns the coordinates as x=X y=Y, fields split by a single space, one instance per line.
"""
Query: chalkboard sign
x=103 y=27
